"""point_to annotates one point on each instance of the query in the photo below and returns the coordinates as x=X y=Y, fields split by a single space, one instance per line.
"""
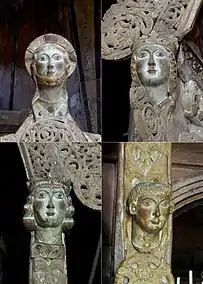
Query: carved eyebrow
x=43 y=190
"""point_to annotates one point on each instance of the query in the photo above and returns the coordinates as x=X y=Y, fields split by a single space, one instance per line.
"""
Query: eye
x=146 y=202
x=159 y=53
x=59 y=195
x=42 y=57
x=142 y=54
x=164 y=203
x=41 y=195
x=57 y=57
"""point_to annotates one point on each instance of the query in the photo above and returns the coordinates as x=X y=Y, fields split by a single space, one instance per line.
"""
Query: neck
x=49 y=235
x=158 y=93
x=144 y=241
x=52 y=94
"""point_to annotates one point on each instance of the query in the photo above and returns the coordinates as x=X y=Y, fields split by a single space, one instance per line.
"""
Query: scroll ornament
x=79 y=162
x=149 y=32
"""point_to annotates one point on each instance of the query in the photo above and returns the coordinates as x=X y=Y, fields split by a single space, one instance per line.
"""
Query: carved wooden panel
x=20 y=23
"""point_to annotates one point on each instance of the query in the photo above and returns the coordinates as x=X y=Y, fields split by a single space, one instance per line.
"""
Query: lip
x=50 y=213
x=152 y=71
x=51 y=72
x=156 y=222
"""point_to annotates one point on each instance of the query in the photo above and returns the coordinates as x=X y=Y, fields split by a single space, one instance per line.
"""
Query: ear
x=133 y=207
x=70 y=68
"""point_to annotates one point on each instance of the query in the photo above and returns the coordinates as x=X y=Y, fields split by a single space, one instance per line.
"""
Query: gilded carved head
x=49 y=205
x=50 y=59
x=150 y=204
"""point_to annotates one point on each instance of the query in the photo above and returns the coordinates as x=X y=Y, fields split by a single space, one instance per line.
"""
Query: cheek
x=140 y=64
x=41 y=65
x=60 y=65
x=62 y=205
x=163 y=65
x=38 y=205
x=144 y=213
x=165 y=213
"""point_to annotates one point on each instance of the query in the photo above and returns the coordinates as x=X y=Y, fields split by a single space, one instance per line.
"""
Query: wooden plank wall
x=20 y=22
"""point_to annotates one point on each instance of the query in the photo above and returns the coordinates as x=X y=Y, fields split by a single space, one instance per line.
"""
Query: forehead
x=51 y=49
x=154 y=198
x=151 y=48
x=50 y=190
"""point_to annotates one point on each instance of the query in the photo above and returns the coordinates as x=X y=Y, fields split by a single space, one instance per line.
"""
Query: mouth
x=50 y=213
x=51 y=72
x=156 y=222
x=151 y=71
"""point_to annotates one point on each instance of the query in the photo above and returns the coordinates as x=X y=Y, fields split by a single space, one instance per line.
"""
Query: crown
x=155 y=38
x=130 y=22
x=49 y=183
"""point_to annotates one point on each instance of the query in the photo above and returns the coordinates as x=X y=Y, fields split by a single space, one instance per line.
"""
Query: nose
x=50 y=204
x=151 y=61
x=51 y=64
x=156 y=212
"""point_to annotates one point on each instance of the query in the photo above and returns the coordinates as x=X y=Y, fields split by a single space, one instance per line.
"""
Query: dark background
x=116 y=81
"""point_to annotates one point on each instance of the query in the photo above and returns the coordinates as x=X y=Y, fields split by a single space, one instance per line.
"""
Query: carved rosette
x=141 y=163
x=79 y=162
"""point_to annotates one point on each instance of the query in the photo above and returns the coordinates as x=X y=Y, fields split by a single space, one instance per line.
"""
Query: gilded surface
x=145 y=209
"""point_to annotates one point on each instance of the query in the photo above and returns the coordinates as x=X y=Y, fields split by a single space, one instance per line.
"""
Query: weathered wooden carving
x=53 y=169
x=143 y=223
x=150 y=32
x=50 y=59
x=79 y=162
x=48 y=215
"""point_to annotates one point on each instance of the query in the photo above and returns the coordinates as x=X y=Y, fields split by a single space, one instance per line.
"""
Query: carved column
x=53 y=169
x=48 y=215
x=143 y=219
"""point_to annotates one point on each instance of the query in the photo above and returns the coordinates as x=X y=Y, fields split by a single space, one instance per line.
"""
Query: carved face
x=152 y=65
x=51 y=64
x=152 y=213
x=50 y=207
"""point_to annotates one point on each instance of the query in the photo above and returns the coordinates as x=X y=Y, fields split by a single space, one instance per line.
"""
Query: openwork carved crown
x=130 y=23
x=79 y=163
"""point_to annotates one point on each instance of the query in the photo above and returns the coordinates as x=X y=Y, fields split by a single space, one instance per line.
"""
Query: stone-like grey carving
x=79 y=162
x=152 y=93
x=50 y=59
x=53 y=169
x=48 y=215
x=150 y=32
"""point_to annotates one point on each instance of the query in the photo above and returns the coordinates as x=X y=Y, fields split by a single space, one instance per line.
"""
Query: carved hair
x=29 y=219
x=149 y=189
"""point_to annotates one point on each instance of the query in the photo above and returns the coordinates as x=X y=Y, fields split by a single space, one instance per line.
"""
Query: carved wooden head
x=150 y=204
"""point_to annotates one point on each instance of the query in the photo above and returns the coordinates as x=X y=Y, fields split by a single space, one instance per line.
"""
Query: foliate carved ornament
x=146 y=208
x=191 y=73
x=79 y=162
x=149 y=31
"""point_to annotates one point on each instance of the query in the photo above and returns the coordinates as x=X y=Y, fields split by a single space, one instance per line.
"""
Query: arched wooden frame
x=187 y=192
